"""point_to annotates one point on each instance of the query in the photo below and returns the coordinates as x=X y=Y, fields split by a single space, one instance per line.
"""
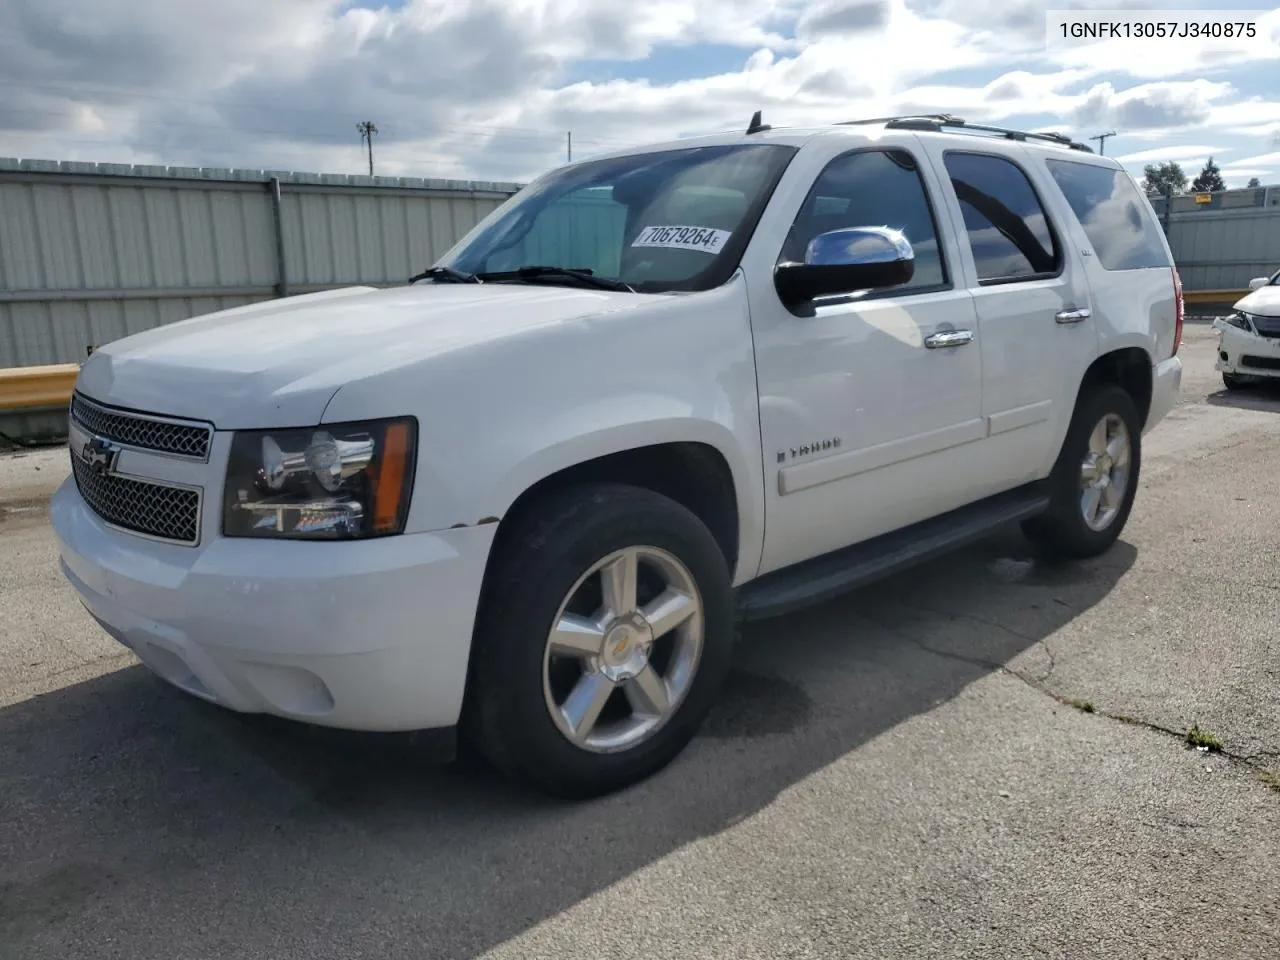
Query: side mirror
x=846 y=261
x=1258 y=282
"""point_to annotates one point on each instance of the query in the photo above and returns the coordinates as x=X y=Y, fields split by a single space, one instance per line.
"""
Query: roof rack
x=937 y=122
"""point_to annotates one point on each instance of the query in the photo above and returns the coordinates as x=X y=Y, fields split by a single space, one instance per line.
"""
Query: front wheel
x=1095 y=479
x=604 y=636
x=1232 y=381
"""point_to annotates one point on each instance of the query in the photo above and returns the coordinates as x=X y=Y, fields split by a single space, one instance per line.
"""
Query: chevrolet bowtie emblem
x=99 y=455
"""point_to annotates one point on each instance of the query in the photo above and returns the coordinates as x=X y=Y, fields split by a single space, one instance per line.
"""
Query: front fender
x=574 y=446
x=590 y=434
x=499 y=416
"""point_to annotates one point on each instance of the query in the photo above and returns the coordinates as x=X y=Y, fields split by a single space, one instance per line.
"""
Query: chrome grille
x=179 y=439
x=155 y=509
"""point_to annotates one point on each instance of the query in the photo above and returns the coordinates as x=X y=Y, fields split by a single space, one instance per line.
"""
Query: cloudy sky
x=488 y=89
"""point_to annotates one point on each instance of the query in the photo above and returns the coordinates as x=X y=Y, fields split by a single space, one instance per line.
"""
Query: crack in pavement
x=1042 y=643
x=1256 y=762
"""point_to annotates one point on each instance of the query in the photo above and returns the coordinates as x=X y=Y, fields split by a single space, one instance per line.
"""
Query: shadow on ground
x=1261 y=394
x=136 y=818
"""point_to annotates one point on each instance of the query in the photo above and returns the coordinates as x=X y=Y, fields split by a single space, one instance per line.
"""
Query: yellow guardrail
x=1213 y=296
x=28 y=388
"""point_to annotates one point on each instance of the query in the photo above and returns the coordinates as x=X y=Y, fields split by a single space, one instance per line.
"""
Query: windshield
x=659 y=222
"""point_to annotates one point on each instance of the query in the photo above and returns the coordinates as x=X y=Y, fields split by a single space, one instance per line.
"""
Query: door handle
x=1073 y=315
x=948 y=338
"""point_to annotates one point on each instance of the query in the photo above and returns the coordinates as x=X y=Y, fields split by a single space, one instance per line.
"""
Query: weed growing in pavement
x=1202 y=738
x=1082 y=705
x=1272 y=780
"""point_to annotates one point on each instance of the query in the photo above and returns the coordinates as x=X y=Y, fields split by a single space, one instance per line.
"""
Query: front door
x=868 y=422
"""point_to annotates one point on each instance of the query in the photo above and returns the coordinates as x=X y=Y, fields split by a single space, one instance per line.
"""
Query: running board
x=822 y=578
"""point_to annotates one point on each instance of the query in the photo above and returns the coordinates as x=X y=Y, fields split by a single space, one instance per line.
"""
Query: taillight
x=1179 y=309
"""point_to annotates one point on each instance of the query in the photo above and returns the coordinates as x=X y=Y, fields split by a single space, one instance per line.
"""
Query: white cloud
x=483 y=87
x=842 y=18
x=1241 y=175
x=1264 y=160
x=1253 y=113
x=1150 y=108
x=1180 y=153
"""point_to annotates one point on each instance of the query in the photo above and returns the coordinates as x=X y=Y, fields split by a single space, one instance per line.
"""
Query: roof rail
x=937 y=122
x=938 y=117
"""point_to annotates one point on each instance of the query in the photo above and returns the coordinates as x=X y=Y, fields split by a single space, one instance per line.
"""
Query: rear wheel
x=1095 y=479
x=604 y=637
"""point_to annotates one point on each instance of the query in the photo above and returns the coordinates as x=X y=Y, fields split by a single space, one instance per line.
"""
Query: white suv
x=654 y=393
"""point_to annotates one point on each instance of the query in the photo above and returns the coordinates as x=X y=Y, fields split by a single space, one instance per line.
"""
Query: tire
x=1232 y=382
x=515 y=683
x=1063 y=532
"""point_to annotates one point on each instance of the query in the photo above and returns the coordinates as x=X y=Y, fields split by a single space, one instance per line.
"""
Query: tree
x=1164 y=178
x=1210 y=179
x=1254 y=182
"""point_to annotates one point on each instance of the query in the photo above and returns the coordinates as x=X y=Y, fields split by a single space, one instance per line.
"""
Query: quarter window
x=873 y=188
x=1008 y=228
x=1116 y=218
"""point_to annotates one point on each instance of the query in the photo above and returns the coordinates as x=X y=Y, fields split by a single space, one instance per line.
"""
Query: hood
x=1265 y=302
x=278 y=363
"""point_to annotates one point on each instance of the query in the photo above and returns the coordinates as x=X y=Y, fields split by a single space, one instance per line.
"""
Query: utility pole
x=367 y=130
x=568 y=146
x=1102 y=141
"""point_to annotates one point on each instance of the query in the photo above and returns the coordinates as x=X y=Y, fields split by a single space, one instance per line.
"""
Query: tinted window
x=1115 y=217
x=581 y=229
x=661 y=221
x=880 y=188
x=1008 y=228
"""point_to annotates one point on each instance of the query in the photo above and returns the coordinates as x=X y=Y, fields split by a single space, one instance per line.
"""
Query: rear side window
x=1008 y=228
x=1116 y=218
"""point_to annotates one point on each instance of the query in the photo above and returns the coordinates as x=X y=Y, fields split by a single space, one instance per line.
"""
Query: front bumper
x=361 y=635
x=1242 y=352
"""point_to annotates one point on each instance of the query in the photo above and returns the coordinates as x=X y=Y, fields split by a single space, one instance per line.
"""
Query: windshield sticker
x=705 y=239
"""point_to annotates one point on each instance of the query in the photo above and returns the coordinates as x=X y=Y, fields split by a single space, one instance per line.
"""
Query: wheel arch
x=694 y=473
x=1128 y=367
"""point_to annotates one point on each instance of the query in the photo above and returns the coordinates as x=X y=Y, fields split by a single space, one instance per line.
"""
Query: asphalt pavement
x=982 y=757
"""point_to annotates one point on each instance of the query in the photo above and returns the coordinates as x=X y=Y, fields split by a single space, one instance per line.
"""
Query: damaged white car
x=1249 y=339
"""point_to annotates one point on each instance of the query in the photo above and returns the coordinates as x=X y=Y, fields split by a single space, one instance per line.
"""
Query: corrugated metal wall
x=93 y=252
x=1223 y=244
x=1224 y=249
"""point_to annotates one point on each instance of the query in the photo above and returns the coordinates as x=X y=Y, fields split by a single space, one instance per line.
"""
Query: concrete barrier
x=1227 y=297
x=35 y=388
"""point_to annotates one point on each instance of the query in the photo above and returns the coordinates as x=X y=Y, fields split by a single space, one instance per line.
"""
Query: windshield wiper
x=583 y=276
x=445 y=275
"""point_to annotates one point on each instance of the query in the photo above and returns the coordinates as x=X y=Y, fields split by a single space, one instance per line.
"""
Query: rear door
x=1126 y=257
x=1035 y=311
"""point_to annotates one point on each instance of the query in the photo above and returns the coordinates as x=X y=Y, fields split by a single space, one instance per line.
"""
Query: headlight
x=1238 y=319
x=335 y=482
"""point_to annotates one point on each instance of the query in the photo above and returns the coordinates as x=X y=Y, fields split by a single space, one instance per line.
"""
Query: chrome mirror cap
x=858 y=246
